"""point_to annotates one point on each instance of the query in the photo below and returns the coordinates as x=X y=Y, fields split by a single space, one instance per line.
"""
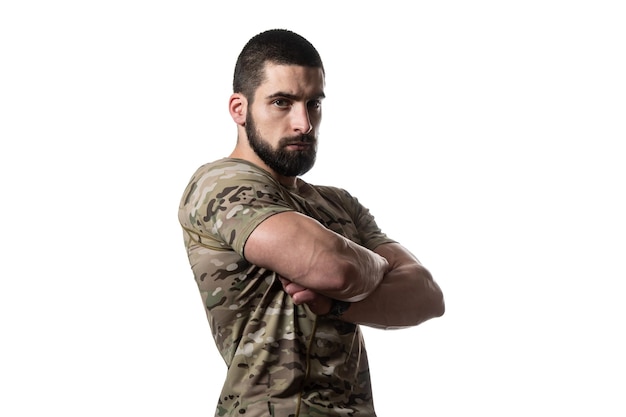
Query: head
x=278 y=46
x=278 y=87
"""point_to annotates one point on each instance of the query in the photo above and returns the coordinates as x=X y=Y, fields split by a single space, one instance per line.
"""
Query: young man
x=287 y=270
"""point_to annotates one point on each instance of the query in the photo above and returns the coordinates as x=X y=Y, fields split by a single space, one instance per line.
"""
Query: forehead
x=292 y=79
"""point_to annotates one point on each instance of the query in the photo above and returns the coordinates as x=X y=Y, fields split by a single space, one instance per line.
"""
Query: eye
x=282 y=103
x=315 y=104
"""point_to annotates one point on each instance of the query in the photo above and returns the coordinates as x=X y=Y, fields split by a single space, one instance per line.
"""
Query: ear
x=238 y=106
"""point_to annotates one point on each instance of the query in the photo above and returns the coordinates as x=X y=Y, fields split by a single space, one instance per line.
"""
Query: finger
x=304 y=296
x=292 y=288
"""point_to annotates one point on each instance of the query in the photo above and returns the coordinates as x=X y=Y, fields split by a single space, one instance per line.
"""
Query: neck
x=247 y=154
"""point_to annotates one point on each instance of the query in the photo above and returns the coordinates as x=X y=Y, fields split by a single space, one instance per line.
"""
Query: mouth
x=299 y=145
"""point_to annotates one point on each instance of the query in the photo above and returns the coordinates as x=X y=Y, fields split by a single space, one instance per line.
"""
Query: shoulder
x=226 y=169
x=225 y=176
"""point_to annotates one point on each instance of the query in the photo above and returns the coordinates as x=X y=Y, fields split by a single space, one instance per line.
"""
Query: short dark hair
x=278 y=46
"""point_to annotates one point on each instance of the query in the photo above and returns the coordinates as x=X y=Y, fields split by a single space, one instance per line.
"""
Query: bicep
x=302 y=250
x=296 y=247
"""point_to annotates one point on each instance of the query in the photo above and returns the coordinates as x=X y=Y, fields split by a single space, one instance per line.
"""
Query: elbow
x=436 y=303
x=434 y=297
x=439 y=305
x=431 y=305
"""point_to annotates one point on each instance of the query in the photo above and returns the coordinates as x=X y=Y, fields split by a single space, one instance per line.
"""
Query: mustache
x=297 y=139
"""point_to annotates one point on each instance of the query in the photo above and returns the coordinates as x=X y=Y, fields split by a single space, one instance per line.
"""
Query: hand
x=319 y=304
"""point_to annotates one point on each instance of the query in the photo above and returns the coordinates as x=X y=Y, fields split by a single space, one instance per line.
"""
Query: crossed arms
x=389 y=288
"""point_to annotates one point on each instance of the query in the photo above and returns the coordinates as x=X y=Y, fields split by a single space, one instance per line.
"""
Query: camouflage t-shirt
x=282 y=359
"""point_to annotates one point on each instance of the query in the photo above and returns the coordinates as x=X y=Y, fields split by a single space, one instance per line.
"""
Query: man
x=287 y=270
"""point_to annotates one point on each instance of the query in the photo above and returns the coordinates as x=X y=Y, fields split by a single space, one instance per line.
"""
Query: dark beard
x=281 y=161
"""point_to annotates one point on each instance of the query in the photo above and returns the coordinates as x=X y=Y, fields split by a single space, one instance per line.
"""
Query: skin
x=388 y=287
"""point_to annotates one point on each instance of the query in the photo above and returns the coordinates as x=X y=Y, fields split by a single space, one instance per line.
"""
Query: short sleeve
x=225 y=201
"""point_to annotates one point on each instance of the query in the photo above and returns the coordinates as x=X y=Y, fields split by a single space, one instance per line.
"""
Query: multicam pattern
x=282 y=359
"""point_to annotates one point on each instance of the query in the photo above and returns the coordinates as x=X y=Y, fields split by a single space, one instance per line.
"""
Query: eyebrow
x=294 y=97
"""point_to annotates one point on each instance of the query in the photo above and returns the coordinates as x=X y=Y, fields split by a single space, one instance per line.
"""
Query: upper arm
x=403 y=263
x=302 y=250
x=397 y=255
x=417 y=281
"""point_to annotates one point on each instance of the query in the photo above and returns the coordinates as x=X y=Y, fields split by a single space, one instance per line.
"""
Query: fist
x=317 y=303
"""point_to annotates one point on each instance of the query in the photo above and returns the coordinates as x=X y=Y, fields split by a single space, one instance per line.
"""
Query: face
x=283 y=120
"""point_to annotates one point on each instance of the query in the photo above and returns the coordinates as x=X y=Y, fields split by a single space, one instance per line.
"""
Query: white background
x=485 y=136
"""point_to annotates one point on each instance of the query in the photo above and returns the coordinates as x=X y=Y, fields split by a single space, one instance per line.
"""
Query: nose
x=301 y=119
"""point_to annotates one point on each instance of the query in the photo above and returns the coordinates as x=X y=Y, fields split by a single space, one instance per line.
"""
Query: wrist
x=338 y=307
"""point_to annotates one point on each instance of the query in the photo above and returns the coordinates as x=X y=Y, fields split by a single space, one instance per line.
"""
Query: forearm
x=407 y=296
